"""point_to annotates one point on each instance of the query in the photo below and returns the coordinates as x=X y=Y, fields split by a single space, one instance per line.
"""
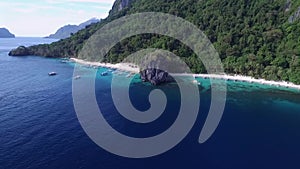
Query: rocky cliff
x=119 y=5
x=155 y=76
x=295 y=16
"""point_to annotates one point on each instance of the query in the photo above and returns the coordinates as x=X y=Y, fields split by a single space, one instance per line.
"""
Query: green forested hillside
x=253 y=38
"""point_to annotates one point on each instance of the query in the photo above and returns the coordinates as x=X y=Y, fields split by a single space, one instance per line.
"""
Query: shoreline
x=250 y=80
x=128 y=67
x=132 y=68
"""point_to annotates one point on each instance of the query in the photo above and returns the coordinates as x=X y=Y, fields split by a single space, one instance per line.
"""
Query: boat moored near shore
x=104 y=74
x=52 y=74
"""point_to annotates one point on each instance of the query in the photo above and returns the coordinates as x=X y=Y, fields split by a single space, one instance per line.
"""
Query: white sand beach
x=129 y=67
x=249 y=80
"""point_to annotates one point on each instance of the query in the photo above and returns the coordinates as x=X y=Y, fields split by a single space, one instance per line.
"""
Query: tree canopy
x=253 y=38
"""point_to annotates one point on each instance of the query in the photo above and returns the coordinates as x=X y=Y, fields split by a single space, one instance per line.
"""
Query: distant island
x=4 y=33
x=67 y=30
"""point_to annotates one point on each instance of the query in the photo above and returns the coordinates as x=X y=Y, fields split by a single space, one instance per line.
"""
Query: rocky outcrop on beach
x=4 y=33
x=155 y=76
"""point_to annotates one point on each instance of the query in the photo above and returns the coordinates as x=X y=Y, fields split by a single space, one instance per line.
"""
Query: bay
x=39 y=127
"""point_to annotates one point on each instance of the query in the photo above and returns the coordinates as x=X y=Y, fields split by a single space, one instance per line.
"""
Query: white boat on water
x=77 y=77
x=52 y=73
x=104 y=74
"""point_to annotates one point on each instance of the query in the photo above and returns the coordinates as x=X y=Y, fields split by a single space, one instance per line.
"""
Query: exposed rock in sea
x=20 y=51
x=155 y=76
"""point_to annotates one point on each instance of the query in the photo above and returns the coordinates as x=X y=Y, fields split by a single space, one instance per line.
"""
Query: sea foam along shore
x=129 y=67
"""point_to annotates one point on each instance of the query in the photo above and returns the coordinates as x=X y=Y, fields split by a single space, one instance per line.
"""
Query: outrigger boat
x=52 y=73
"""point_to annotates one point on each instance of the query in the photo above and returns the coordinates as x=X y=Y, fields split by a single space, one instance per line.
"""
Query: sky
x=39 y=18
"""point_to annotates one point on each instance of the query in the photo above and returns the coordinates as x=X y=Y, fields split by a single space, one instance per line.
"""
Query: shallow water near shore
x=39 y=127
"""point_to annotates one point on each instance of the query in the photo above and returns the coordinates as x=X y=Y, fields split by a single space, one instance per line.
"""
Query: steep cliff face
x=295 y=16
x=124 y=4
x=288 y=5
x=120 y=5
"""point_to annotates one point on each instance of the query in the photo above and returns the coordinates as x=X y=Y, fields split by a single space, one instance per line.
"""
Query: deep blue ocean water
x=39 y=127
